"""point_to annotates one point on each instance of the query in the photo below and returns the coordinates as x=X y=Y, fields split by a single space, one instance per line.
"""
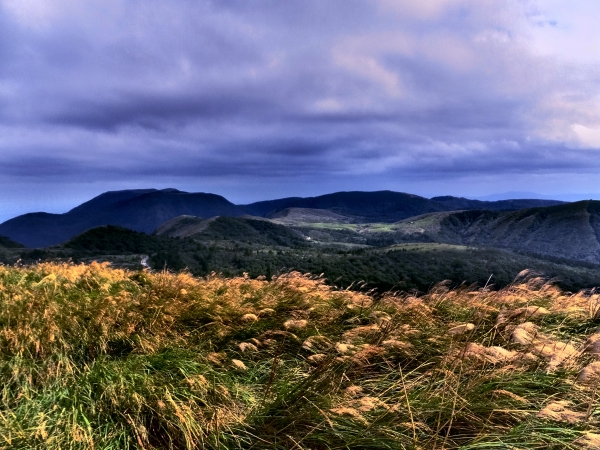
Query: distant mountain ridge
x=139 y=210
x=570 y=231
x=146 y=209
x=387 y=206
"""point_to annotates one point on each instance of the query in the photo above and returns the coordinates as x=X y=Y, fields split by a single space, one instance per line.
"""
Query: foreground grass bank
x=98 y=358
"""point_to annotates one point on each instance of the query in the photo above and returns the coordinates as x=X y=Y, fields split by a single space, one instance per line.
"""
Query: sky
x=262 y=99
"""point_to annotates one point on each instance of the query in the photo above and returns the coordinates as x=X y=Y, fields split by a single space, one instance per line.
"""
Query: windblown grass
x=98 y=358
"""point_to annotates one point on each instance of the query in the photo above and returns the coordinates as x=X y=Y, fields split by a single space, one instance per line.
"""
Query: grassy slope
x=93 y=357
x=241 y=229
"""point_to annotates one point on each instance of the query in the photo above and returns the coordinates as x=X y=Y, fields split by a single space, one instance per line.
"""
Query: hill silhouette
x=241 y=229
x=386 y=206
x=146 y=209
x=569 y=231
x=9 y=243
x=138 y=210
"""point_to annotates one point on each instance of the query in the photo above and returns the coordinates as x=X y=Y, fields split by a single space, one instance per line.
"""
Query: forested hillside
x=404 y=267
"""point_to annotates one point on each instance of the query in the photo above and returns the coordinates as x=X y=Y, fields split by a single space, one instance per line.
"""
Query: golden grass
x=95 y=357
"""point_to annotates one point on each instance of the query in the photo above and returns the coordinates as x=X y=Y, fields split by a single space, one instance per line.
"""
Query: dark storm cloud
x=36 y=167
x=153 y=111
x=120 y=90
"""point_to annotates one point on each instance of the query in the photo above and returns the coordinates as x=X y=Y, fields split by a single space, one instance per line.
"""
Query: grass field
x=371 y=227
x=99 y=358
x=426 y=246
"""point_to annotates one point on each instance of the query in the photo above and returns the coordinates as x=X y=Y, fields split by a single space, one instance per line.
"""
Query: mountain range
x=570 y=231
x=146 y=209
x=390 y=240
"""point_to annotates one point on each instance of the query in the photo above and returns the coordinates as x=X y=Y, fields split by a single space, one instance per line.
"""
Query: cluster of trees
x=395 y=269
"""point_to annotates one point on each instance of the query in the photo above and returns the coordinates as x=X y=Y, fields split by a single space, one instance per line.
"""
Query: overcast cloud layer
x=263 y=99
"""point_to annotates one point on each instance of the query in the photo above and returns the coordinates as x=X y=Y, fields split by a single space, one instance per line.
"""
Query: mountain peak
x=146 y=209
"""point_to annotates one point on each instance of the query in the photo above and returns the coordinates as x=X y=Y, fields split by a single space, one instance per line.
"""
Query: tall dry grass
x=95 y=357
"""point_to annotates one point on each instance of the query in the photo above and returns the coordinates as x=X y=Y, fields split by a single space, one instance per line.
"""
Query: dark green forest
x=415 y=267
